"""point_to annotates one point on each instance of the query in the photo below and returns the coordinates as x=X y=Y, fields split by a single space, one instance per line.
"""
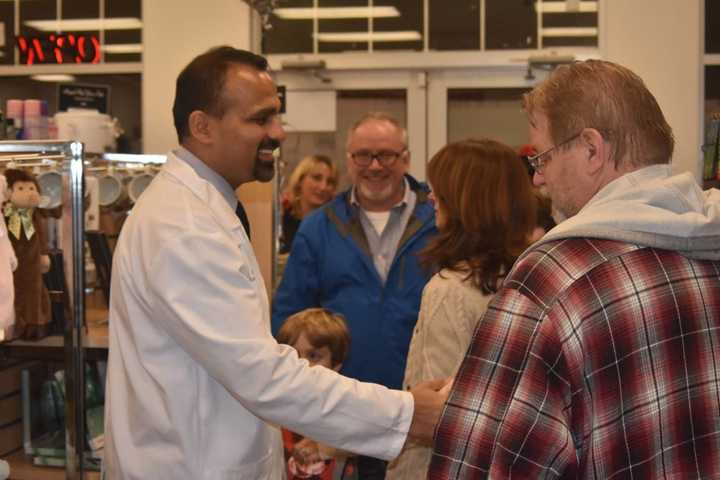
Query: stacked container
x=35 y=120
x=14 y=114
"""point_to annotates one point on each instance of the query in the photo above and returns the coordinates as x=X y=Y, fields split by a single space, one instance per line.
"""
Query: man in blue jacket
x=358 y=256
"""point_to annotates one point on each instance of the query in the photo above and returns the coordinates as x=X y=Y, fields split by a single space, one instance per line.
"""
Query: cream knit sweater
x=449 y=312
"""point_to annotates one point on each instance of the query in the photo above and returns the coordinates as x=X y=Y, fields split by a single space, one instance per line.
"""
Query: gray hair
x=379 y=117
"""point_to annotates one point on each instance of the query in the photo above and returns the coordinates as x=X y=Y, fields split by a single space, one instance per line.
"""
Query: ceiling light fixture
x=323 y=13
x=122 y=48
x=134 y=158
x=53 y=77
x=347 y=37
x=85 y=24
x=569 y=32
x=565 y=7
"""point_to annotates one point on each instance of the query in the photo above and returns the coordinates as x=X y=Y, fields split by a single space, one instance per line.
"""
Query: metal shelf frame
x=74 y=354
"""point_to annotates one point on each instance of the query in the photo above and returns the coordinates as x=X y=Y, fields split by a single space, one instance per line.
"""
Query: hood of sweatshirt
x=650 y=207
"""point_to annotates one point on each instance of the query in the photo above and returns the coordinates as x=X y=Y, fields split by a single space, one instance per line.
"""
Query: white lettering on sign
x=83 y=92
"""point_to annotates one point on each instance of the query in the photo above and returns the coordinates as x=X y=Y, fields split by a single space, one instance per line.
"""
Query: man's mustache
x=269 y=144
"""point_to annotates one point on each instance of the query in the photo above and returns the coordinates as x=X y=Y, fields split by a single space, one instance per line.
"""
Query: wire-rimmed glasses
x=537 y=162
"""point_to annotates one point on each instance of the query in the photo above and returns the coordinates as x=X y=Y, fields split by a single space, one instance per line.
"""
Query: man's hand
x=429 y=400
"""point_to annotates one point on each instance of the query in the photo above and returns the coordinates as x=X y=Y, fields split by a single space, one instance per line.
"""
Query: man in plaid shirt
x=600 y=356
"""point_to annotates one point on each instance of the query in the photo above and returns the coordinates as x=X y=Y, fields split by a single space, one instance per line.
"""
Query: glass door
x=477 y=104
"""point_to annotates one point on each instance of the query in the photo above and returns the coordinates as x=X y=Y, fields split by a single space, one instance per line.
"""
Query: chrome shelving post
x=73 y=151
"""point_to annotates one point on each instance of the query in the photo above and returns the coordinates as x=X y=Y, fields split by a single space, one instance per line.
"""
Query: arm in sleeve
x=300 y=285
x=506 y=414
x=210 y=305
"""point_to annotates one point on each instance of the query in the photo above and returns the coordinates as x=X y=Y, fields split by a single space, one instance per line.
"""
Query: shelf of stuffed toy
x=39 y=188
x=43 y=296
x=95 y=342
x=82 y=212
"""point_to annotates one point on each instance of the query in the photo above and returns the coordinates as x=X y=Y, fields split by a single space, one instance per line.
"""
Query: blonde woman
x=311 y=185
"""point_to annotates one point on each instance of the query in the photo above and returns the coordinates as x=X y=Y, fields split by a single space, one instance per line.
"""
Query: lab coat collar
x=206 y=192
x=207 y=173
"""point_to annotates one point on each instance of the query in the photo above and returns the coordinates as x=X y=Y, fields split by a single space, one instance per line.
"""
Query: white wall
x=661 y=41
x=174 y=32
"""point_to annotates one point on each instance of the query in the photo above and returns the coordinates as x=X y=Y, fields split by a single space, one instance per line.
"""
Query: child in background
x=322 y=338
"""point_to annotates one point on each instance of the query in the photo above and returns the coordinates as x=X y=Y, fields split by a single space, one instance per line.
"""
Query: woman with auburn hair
x=311 y=185
x=485 y=214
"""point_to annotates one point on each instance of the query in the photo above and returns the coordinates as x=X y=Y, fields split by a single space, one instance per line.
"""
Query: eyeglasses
x=536 y=161
x=386 y=158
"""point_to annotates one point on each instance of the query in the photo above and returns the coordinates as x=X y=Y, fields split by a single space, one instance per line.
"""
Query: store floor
x=21 y=468
x=21 y=465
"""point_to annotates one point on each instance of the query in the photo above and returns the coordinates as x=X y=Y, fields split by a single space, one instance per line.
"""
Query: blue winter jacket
x=330 y=266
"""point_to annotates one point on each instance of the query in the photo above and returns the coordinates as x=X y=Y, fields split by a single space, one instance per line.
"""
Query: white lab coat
x=195 y=379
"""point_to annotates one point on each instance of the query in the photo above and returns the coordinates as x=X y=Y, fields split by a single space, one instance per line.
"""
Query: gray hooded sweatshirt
x=650 y=207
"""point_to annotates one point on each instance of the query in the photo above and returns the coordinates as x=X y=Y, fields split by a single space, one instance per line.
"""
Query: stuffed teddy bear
x=8 y=263
x=26 y=231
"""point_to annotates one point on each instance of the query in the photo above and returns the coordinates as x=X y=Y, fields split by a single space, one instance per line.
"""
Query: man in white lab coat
x=196 y=383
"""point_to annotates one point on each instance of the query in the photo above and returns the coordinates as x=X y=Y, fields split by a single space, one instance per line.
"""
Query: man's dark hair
x=200 y=84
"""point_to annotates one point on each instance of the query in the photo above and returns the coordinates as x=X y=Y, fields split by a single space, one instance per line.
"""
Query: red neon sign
x=58 y=49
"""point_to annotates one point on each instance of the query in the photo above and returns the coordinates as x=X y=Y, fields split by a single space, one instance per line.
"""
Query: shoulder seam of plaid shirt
x=598 y=359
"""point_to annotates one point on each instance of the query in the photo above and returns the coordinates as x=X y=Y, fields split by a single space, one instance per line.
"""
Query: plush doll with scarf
x=27 y=236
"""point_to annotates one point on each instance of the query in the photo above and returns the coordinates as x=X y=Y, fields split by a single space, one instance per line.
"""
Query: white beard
x=376 y=195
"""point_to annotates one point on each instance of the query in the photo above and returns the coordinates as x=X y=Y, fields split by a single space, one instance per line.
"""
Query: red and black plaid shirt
x=597 y=359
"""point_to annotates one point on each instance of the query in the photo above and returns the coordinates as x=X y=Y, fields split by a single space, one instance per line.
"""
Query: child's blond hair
x=322 y=328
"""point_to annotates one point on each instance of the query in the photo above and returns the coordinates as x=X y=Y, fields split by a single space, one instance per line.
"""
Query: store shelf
x=22 y=468
x=95 y=341
x=52 y=348
x=81 y=340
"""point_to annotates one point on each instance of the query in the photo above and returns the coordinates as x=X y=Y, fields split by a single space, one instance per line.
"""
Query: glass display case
x=59 y=345
x=52 y=378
